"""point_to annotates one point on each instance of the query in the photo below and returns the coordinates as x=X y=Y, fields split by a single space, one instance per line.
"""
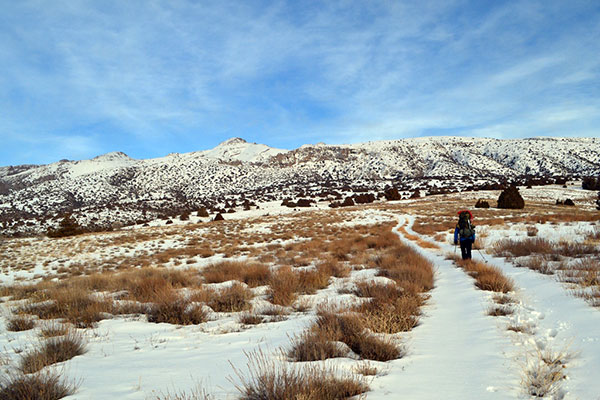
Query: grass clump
x=318 y=342
x=173 y=308
x=42 y=386
x=487 y=277
x=252 y=274
x=52 y=351
x=20 y=323
x=72 y=305
x=231 y=299
x=270 y=381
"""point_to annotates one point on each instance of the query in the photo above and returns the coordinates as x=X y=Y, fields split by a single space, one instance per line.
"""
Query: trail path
x=460 y=352
x=561 y=322
x=457 y=352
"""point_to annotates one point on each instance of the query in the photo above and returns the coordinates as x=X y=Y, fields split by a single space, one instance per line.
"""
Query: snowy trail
x=457 y=352
x=559 y=322
x=562 y=322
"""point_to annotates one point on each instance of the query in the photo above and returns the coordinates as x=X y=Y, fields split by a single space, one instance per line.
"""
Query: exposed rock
x=392 y=194
x=218 y=217
x=482 y=204
x=364 y=198
x=510 y=198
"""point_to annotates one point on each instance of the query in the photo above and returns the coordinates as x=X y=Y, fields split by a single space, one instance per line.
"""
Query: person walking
x=465 y=232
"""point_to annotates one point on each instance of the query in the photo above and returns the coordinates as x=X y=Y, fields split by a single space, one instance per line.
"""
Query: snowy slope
x=236 y=169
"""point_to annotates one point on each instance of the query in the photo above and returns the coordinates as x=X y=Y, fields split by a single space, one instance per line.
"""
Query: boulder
x=510 y=198
x=482 y=204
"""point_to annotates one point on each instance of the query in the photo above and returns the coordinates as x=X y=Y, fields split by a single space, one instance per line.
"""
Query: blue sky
x=80 y=78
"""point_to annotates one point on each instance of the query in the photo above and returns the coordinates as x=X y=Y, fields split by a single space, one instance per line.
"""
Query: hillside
x=116 y=188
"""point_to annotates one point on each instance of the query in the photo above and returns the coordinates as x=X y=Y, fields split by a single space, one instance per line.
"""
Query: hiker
x=466 y=232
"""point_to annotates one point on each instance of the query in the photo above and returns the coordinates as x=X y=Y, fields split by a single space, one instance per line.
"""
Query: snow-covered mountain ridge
x=114 y=186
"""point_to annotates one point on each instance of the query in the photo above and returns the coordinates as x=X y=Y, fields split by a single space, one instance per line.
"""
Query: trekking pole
x=481 y=255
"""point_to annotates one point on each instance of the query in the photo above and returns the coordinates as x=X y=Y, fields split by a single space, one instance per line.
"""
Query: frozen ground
x=457 y=351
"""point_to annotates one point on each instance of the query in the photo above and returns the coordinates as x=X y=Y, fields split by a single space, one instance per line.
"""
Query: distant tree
x=68 y=226
x=590 y=183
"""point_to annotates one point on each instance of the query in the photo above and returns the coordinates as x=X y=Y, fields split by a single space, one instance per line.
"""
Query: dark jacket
x=462 y=239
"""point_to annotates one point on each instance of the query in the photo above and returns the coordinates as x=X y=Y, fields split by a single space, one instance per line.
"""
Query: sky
x=79 y=78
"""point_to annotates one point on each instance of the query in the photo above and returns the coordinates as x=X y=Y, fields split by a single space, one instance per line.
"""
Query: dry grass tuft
x=283 y=286
x=252 y=274
x=270 y=381
x=544 y=372
x=42 y=386
x=487 y=277
x=52 y=351
x=231 y=299
x=20 y=323
x=172 y=308
x=54 y=329
x=498 y=311
x=250 y=319
x=71 y=304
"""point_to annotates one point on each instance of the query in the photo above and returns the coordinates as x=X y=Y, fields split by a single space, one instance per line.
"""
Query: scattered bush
x=283 y=286
x=250 y=319
x=52 y=351
x=42 y=386
x=68 y=226
x=270 y=381
x=231 y=299
x=487 y=277
x=510 y=198
x=173 y=308
x=252 y=274
x=218 y=217
x=20 y=323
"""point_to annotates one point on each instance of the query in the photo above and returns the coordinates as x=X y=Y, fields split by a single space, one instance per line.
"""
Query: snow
x=456 y=352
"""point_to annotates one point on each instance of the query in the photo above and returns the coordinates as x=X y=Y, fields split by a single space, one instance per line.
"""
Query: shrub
x=510 y=198
x=68 y=226
x=231 y=299
x=75 y=305
x=250 y=319
x=20 y=323
x=172 y=308
x=314 y=346
x=252 y=274
x=349 y=328
x=487 y=277
x=270 y=381
x=52 y=351
x=283 y=286
x=42 y=386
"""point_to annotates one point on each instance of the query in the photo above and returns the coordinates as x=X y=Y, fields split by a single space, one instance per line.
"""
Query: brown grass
x=487 y=277
x=349 y=328
x=73 y=305
x=252 y=274
x=48 y=385
x=250 y=319
x=283 y=286
x=173 y=308
x=270 y=381
x=20 y=323
x=499 y=311
x=52 y=351
x=231 y=299
x=529 y=246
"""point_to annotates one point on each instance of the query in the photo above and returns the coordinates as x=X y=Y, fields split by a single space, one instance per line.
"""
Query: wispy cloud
x=160 y=76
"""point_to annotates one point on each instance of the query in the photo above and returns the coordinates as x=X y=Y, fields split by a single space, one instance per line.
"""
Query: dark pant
x=465 y=248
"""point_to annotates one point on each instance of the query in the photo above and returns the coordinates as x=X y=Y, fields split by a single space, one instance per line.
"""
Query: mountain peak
x=112 y=156
x=232 y=141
